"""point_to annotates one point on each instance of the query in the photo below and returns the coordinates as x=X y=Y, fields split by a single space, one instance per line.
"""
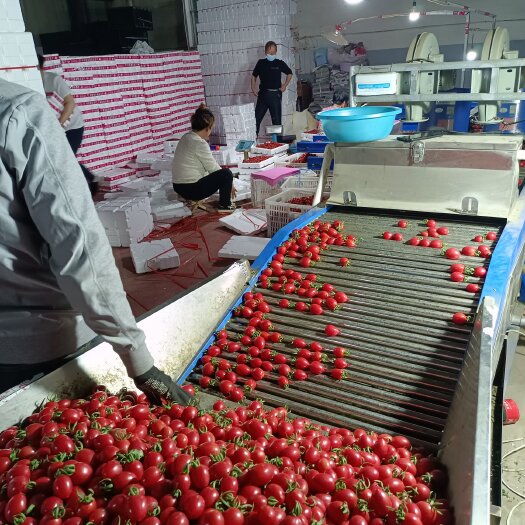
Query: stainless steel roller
x=405 y=353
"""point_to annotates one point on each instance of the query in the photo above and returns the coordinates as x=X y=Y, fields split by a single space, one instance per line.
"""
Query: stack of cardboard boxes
x=131 y=103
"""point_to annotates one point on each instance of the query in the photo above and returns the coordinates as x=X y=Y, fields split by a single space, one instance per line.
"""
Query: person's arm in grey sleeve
x=205 y=156
x=59 y=202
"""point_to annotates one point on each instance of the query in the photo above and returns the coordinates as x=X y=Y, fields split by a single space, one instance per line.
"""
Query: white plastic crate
x=280 y=212
x=305 y=182
x=261 y=190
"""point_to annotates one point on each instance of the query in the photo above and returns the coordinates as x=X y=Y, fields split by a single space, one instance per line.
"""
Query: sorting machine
x=412 y=371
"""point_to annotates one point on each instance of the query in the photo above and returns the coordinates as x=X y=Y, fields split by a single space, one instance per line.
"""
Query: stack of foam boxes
x=125 y=220
x=18 y=60
x=131 y=103
x=238 y=122
x=232 y=34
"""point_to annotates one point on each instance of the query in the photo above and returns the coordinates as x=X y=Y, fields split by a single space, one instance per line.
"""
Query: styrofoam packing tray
x=159 y=254
x=245 y=222
x=238 y=247
x=172 y=216
x=145 y=185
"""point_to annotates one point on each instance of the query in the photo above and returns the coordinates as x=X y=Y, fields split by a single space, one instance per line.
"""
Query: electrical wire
x=511 y=452
x=509 y=516
x=517 y=492
x=516 y=331
x=512 y=489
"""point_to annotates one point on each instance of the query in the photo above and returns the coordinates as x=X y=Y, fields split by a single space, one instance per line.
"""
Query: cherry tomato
x=63 y=486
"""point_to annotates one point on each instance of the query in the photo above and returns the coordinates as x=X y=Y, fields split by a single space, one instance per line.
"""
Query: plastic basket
x=305 y=182
x=280 y=212
x=261 y=190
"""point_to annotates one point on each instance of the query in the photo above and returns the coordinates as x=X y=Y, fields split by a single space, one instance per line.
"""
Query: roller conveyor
x=405 y=353
x=412 y=372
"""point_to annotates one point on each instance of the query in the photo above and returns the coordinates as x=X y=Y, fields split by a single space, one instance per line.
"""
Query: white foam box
x=11 y=20
x=159 y=254
x=148 y=157
x=172 y=215
x=144 y=185
x=238 y=247
x=17 y=50
x=245 y=222
x=114 y=185
x=125 y=220
x=165 y=205
x=270 y=161
x=164 y=164
x=115 y=174
x=29 y=78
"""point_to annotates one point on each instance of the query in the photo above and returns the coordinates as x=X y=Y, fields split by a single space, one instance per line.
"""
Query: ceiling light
x=353 y=2
x=336 y=37
x=472 y=55
x=414 y=13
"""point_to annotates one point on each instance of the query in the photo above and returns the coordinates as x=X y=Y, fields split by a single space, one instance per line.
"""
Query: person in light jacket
x=196 y=174
x=57 y=271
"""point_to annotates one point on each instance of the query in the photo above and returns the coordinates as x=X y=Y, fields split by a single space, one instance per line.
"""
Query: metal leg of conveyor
x=497 y=429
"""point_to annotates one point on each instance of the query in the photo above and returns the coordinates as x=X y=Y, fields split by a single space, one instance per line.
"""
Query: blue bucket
x=363 y=124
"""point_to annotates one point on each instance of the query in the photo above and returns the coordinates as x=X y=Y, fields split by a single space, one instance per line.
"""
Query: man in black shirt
x=270 y=93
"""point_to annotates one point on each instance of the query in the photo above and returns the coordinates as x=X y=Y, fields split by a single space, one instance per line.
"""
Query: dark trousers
x=221 y=180
x=13 y=375
x=268 y=100
x=74 y=137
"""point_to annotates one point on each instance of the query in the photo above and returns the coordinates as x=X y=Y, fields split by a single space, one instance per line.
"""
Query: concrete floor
x=515 y=391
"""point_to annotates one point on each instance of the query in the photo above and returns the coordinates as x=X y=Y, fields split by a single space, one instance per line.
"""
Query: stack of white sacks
x=232 y=34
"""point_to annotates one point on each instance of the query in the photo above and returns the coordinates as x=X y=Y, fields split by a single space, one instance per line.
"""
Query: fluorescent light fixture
x=353 y=2
x=472 y=55
x=414 y=13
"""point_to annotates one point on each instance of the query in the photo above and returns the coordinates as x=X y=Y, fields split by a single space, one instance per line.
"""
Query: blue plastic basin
x=363 y=124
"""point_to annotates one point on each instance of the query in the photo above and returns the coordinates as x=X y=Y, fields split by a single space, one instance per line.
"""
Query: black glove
x=156 y=385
